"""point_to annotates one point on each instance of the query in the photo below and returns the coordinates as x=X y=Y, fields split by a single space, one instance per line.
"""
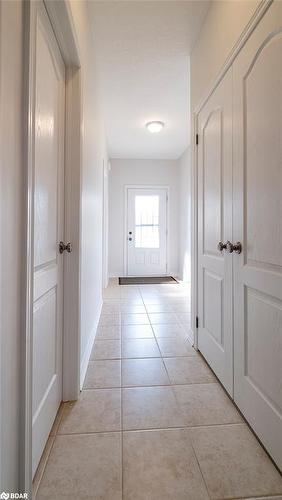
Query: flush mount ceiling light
x=155 y=126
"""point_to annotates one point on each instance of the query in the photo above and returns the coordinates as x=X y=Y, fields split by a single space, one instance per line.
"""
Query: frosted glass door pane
x=147 y=231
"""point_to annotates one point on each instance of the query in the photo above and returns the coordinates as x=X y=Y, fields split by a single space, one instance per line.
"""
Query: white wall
x=11 y=189
x=140 y=172
x=185 y=193
x=93 y=156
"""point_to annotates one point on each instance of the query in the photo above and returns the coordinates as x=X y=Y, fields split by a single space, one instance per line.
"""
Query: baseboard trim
x=121 y=274
x=115 y=275
x=88 y=350
x=191 y=337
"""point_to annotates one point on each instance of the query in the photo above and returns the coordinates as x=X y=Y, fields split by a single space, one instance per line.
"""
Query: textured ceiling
x=143 y=61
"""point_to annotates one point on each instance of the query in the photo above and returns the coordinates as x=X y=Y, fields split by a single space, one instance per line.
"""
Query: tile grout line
x=121 y=413
x=141 y=386
x=197 y=460
x=148 y=386
x=258 y=497
x=160 y=351
x=170 y=383
x=150 y=429
x=165 y=367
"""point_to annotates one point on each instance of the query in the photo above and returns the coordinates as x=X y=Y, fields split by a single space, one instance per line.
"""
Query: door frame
x=125 y=247
x=62 y=23
x=106 y=171
x=258 y=14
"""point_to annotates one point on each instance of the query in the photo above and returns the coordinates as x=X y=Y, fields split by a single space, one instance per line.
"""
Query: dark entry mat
x=150 y=280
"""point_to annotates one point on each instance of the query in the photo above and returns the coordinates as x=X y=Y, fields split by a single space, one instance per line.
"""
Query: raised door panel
x=262 y=108
x=46 y=153
x=213 y=304
x=258 y=224
x=212 y=182
x=44 y=341
x=263 y=346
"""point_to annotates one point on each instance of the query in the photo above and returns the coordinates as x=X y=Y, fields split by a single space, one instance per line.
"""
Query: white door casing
x=48 y=231
x=106 y=168
x=258 y=225
x=146 y=231
x=215 y=335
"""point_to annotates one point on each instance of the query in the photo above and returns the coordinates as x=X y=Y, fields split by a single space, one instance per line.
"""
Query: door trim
x=106 y=171
x=144 y=186
x=255 y=19
x=62 y=23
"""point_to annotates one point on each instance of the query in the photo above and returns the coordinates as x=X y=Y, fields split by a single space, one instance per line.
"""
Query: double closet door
x=240 y=231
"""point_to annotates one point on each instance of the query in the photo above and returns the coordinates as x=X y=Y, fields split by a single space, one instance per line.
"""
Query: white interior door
x=214 y=226
x=258 y=225
x=48 y=230
x=146 y=231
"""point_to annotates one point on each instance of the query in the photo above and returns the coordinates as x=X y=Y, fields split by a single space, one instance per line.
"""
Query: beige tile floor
x=152 y=422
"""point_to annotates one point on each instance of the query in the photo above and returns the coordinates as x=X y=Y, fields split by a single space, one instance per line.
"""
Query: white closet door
x=258 y=224
x=215 y=225
x=48 y=230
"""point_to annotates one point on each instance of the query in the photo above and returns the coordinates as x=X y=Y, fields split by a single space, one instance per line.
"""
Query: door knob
x=236 y=247
x=65 y=247
x=229 y=247
x=222 y=246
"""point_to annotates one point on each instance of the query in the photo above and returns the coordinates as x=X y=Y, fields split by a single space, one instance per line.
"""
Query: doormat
x=150 y=280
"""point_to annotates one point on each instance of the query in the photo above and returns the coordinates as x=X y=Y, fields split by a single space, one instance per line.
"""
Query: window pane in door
x=147 y=222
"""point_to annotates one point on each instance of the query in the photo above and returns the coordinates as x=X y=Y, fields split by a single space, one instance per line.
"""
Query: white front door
x=258 y=225
x=215 y=339
x=48 y=231
x=146 y=231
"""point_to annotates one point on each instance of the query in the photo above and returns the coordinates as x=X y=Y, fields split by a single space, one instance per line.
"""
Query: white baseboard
x=117 y=275
x=191 y=336
x=106 y=282
x=180 y=276
x=174 y=273
x=88 y=350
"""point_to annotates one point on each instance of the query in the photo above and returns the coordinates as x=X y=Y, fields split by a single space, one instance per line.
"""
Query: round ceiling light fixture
x=155 y=126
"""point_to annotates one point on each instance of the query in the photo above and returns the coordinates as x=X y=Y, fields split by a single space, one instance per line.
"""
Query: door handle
x=236 y=247
x=65 y=247
x=222 y=246
x=129 y=239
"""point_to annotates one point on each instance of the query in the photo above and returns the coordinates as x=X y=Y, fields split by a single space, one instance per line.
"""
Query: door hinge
x=197 y=139
x=197 y=322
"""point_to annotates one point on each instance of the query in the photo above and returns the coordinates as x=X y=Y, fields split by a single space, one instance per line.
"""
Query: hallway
x=152 y=422
x=141 y=139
